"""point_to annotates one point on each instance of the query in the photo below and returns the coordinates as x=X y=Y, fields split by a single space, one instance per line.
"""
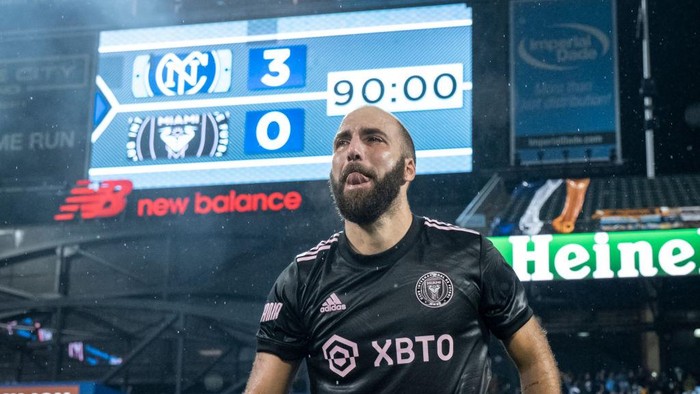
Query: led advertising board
x=259 y=101
x=564 y=82
x=43 y=80
x=603 y=255
x=600 y=228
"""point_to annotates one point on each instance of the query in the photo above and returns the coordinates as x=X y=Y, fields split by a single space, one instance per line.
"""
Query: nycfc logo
x=434 y=289
x=341 y=354
x=176 y=137
x=182 y=74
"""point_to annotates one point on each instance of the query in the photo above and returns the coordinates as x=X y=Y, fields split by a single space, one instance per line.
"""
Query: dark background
x=198 y=283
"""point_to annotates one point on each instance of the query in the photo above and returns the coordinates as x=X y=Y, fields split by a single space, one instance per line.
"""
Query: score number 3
x=270 y=68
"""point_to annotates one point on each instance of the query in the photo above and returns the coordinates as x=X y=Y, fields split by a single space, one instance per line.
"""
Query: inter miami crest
x=178 y=136
x=434 y=289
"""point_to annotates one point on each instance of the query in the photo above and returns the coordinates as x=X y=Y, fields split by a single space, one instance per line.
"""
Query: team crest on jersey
x=434 y=289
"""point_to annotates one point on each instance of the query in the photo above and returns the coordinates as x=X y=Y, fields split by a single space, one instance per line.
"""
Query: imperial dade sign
x=603 y=255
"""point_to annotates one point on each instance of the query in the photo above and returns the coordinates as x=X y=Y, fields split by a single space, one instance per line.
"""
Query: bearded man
x=395 y=303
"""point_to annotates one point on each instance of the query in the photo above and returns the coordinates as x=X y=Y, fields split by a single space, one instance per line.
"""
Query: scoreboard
x=260 y=100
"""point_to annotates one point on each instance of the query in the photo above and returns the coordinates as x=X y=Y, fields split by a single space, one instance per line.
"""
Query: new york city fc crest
x=434 y=289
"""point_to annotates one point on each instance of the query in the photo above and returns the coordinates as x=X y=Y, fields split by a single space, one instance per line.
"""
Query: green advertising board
x=603 y=255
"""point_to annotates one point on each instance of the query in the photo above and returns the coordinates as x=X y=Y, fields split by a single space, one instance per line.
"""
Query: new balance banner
x=564 y=83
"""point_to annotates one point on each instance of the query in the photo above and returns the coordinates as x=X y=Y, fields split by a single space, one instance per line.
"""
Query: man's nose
x=355 y=149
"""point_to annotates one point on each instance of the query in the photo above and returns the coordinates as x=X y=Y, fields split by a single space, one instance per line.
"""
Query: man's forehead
x=362 y=131
x=369 y=118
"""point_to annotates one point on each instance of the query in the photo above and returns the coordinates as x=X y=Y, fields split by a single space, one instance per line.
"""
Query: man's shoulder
x=440 y=228
x=313 y=253
x=306 y=262
x=450 y=238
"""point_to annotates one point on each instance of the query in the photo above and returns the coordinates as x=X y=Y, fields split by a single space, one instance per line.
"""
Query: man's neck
x=381 y=235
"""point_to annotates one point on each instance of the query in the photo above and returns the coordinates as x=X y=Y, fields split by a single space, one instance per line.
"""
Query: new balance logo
x=95 y=200
x=333 y=304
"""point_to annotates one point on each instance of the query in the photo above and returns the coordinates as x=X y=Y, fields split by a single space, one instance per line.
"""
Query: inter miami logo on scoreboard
x=178 y=74
x=178 y=136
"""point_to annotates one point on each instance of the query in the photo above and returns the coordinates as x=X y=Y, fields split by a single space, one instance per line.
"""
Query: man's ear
x=409 y=172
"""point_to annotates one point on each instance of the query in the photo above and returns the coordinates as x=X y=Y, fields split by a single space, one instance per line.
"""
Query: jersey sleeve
x=281 y=329
x=503 y=305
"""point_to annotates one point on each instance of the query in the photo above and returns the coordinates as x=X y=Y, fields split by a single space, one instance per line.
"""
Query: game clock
x=399 y=89
x=222 y=106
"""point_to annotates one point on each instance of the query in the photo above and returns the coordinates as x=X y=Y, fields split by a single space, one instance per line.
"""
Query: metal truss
x=158 y=324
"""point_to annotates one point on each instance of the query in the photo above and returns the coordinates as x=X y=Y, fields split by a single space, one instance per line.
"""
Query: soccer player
x=396 y=303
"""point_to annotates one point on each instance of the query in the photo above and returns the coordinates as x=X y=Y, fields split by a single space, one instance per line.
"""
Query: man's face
x=368 y=165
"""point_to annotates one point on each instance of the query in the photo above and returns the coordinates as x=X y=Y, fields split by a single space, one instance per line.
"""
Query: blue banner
x=564 y=100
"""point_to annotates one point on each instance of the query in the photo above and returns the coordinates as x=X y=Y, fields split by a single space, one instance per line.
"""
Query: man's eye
x=374 y=139
x=340 y=143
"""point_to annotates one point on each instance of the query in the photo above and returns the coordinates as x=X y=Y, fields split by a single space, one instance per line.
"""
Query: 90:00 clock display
x=396 y=89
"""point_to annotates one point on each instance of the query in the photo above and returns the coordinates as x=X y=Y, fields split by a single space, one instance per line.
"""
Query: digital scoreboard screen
x=260 y=100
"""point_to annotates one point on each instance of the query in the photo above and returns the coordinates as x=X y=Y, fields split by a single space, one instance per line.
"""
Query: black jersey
x=414 y=319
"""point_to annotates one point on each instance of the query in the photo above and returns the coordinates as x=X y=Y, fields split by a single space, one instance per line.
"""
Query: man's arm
x=529 y=348
x=270 y=374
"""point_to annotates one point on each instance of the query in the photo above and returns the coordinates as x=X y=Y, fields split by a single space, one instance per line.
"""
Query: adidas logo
x=333 y=304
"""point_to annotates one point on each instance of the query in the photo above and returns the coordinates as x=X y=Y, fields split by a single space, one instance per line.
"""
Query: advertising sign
x=57 y=388
x=43 y=81
x=603 y=255
x=564 y=82
x=90 y=200
x=63 y=389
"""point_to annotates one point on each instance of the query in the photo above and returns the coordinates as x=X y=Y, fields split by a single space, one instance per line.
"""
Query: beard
x=366 y=206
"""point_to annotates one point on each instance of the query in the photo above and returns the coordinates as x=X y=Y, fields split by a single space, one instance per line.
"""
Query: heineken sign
x=625 y=254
